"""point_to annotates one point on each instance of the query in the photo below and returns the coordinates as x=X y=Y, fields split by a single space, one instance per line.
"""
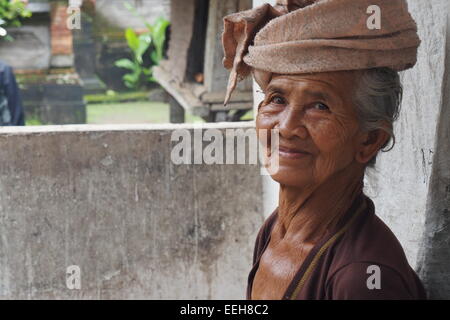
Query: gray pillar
x=434 y=256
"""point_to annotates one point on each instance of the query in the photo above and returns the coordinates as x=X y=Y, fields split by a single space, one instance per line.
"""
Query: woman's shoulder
x=371 y=280
x=367 y=248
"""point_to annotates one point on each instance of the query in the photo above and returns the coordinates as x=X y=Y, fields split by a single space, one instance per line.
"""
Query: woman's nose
x=291 y=123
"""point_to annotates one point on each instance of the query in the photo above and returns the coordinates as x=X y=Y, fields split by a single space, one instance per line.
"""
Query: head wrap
x=305 y=36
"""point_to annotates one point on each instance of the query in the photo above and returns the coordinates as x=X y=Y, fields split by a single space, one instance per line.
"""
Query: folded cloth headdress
x=305 y=36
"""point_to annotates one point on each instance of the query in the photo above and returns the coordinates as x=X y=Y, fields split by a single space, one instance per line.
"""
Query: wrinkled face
x=317 y=123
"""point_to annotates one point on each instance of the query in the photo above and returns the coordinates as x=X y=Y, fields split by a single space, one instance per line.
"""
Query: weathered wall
x=108 y=199
x=402 y=185
x=411 y=184
x=434 y=254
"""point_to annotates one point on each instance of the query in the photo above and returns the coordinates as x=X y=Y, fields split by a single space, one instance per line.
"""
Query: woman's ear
x=370 y=143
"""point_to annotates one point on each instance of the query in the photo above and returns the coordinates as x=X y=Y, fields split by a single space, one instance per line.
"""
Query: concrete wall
x=434 y=254
x=108 y=199
x=411 y=184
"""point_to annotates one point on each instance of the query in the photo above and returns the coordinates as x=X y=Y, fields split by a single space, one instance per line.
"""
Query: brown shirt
x=337 y=266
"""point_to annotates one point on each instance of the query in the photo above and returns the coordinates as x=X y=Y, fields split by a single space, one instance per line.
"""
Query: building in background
x=193 y=73
x=68 y=49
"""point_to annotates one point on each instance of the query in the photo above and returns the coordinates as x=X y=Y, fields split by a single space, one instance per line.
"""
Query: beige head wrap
x=304 y=36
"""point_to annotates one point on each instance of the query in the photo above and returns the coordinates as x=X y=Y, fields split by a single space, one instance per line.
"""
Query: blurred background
x=108 y=61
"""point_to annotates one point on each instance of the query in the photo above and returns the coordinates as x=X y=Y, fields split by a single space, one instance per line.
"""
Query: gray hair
x=377 y=99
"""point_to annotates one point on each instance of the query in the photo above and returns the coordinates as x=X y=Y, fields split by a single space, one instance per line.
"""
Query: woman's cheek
x=324 y=134
x=328 y=134
x=335 y=149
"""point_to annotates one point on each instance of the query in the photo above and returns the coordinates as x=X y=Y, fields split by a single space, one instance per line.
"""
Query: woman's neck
x=304 y=214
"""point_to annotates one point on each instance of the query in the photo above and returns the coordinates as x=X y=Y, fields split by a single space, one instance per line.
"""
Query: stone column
x=63 y=91
x=61 y=36
x=434 y=253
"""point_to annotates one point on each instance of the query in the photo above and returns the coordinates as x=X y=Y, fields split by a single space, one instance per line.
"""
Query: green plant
x=158 y=34
x=153 y=40
x=157 y=31
x=139 y=45
x=11 y=13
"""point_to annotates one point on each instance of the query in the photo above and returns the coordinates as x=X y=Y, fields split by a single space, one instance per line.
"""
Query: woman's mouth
x=291 y=153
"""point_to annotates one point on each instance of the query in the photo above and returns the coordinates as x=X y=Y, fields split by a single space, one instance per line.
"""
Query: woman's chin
x=289 y=176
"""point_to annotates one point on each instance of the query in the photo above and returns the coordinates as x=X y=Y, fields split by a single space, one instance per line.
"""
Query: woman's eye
x=321 y=106
x=277 y=100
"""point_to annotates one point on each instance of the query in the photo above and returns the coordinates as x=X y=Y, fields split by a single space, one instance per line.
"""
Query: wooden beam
x=182 y=93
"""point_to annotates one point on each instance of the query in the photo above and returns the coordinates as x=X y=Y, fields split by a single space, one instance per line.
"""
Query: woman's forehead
x=340 y=82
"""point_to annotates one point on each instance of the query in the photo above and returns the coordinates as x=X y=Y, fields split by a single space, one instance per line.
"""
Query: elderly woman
x=333 y=92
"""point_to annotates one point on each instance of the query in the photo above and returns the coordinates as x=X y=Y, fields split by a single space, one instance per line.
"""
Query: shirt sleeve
x=367 y=281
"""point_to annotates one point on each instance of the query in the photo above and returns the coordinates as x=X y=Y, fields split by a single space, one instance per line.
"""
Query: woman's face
x=318 y=128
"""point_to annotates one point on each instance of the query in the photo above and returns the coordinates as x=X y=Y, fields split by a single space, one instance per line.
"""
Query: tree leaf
x=159 y=37
x=125 y=63
x=132 y=39
x=144 y=42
